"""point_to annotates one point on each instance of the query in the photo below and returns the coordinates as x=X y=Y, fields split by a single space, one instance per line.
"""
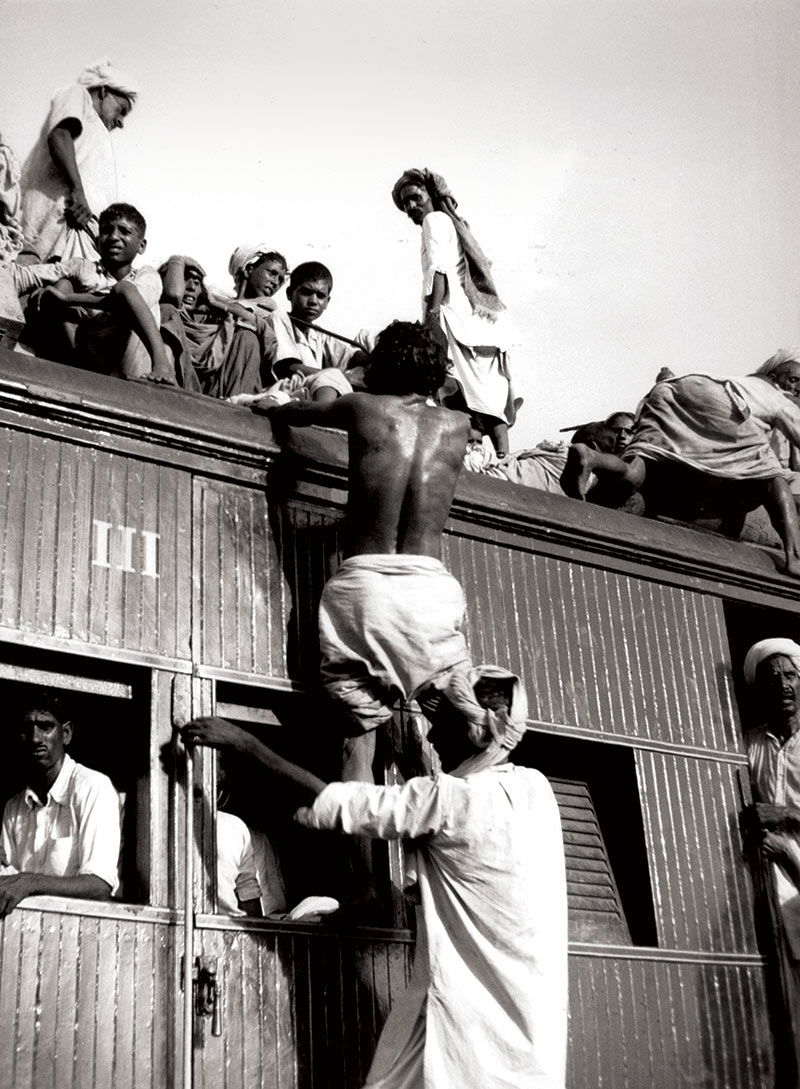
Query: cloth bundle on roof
x=478 y=284
x=769 y=648
x=495 y=733
x=104 y=74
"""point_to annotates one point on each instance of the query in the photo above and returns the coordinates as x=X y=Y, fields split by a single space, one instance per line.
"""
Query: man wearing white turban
x=486 y=1007
x=70 y=175
x=773 y=667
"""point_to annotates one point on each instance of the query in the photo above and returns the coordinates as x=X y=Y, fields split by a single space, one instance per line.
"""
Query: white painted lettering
x=102 y=532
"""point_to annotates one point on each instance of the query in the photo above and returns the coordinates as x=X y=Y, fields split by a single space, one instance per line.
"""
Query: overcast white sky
x=630 y=167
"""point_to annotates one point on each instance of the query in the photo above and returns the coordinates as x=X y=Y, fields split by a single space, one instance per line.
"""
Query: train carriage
x=161 y=557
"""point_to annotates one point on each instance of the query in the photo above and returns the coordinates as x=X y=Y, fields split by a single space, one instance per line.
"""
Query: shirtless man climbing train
x=391 y=617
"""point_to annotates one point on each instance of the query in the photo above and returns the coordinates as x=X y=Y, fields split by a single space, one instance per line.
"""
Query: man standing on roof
x=772 y=667
x=461 y=300
x=70 y=175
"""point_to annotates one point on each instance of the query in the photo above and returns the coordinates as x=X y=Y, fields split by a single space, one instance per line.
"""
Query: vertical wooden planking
x=45 y=1073
x=27 y=1026
x=66 y=1000
x=702 y=889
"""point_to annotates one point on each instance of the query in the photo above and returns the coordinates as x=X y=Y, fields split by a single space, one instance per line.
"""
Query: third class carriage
x=161 y=558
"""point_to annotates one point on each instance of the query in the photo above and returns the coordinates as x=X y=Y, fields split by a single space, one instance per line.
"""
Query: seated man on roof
x=224 y=342
x=101 y=315
x=306 y=357
x=258 y=272
x=699 y=430
x=11 y=241
x=61 y=834
x=391 y=618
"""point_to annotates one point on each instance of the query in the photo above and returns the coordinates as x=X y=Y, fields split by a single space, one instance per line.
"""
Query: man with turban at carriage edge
x=772 y=669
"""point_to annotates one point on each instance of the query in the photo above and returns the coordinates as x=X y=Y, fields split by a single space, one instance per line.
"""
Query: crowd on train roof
x=75 y=289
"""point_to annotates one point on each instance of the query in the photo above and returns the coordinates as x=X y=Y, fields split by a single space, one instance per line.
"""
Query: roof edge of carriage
x=192 y=431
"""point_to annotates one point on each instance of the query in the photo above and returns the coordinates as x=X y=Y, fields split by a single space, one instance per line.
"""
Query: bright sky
x=629 y=166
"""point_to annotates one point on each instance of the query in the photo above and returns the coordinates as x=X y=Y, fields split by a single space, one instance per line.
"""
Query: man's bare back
x=405 y=457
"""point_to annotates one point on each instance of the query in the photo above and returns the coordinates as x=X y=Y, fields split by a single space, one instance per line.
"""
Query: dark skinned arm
x=18 y=886
x=174 y=280
x=306 y=413
x=434 y=301
x=61 y=144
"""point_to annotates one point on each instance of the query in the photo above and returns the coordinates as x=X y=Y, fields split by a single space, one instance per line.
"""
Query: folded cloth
x=390 y=625
x=103 y=73
x=495 y=733
x=768 y=648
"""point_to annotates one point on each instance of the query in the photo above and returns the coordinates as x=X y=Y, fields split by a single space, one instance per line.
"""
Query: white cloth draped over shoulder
x=45 y=189
x=477 y=347
x=487 y=1004
x=720 y=426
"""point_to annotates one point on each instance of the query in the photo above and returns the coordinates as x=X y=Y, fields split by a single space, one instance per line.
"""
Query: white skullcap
x=769 y=648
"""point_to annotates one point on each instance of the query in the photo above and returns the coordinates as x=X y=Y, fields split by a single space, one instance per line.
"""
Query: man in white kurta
x=81 y=177
x=487 y=1004
x=773 y=749
x=61 y=834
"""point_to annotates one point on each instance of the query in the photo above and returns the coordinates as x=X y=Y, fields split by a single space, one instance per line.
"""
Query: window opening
x=608 y=882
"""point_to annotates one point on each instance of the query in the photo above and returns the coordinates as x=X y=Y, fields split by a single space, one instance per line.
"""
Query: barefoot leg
x=577 y=474
x=783 y=515
x=359 y=754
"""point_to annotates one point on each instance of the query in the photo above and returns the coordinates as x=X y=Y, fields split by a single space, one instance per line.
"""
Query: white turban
x=244 y=257
x=495 y=733
x=103 y=74
x=768 y=648
x=784 y=355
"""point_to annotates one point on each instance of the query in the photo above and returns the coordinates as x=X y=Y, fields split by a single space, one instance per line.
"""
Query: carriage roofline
x=171 y=426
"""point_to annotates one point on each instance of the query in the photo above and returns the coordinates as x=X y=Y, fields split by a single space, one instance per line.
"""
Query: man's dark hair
x=308 y=272
x=598 y=435
x=273 y=255
x=408 y=358
x=32 y=697
x=124 y=211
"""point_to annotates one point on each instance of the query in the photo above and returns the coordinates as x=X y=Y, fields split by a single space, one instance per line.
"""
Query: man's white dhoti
x=389 y=626
x=487 y=1004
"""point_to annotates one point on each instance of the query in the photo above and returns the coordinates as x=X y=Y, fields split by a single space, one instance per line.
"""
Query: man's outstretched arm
x=218 y=733
x=336 y=413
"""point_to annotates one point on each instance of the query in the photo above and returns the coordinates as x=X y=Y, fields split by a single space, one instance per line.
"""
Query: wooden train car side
x=159 y=550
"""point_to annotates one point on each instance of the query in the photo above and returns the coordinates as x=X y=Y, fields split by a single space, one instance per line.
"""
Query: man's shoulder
x=89 y=780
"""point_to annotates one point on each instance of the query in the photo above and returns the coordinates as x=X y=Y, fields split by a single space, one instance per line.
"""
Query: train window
x=106 y=709
x=746 y=625
x=608 y=881
x=255 y=829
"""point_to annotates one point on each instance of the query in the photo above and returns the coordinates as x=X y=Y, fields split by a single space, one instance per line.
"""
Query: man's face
x=119 y=241
x=192 y=288
x=622 y=426
x=780 y=685
x=310 y=299
x=787 y=378
x=112 y=109
x=43 y=740
x=266 y=277
x=416 y=202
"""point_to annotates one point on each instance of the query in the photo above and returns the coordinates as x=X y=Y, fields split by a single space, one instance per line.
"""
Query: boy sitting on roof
x=224 y=342
x=305 y=357
x=102 y=315
x=257 y=274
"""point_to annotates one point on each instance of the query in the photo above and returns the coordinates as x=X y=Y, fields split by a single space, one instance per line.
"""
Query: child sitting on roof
x=225 y=343
x=101 y=315
x=257 y=274
x=306 y=359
